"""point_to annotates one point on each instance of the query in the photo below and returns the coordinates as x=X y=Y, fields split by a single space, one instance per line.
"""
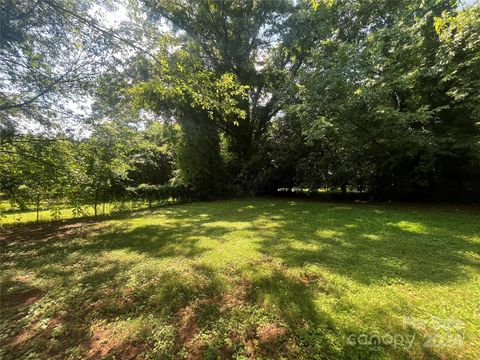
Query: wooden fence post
x=96 y=201
x=103 y=202
x=38 y=205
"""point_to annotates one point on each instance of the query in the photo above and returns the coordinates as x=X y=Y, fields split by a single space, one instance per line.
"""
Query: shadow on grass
x=147 y=281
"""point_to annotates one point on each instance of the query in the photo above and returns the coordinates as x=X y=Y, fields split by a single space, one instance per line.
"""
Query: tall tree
x=374 y=99
x=227 y=58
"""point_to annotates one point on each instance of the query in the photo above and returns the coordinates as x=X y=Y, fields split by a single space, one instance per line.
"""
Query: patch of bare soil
x=237 y=296
x=104 y=344
x=271 y=333
x=263 y=342
x=16 y=294
x=32 y=331
x=310 y=279
x=268 y=340
x=13 y=303
x=267 y=260
x=49 y=231
x=187 y=329
x=21 y=299
x=21 y=338
x=114 y=303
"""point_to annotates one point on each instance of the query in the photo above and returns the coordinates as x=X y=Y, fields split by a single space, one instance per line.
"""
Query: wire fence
x=38 y=207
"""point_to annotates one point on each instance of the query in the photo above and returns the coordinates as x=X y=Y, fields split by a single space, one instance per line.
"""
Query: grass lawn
x=261 y=278
x=8 y=217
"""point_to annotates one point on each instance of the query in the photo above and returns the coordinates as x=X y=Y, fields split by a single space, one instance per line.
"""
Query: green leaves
x=182 y=81
x=388 y=102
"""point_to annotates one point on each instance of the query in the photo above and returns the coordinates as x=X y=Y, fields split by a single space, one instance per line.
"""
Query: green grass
x=262 y=278
x=17 y=217
x=9 y=215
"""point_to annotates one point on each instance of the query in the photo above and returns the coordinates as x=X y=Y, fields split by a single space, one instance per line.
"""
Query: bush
x=153 y=193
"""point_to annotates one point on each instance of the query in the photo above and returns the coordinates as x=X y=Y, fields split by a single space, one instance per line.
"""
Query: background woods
x=225 y=98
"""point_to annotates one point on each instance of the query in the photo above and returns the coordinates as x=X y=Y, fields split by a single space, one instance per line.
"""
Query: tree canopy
x=243 y=96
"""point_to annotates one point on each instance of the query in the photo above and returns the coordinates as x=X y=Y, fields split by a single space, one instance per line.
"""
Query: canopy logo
x=436 y=332
x=375 y=340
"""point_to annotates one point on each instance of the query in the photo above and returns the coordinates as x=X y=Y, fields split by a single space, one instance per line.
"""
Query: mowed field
x=253 y=278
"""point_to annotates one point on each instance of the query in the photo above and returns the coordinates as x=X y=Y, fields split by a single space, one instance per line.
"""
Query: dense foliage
x=245 y=97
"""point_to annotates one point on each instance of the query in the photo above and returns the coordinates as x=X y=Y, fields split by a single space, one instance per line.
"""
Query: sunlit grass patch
x=413 y=227
x=9 y=215
x=329 y=233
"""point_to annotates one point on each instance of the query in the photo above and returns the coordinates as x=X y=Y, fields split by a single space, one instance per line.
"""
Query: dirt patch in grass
x=264 y=341
x=238 y=294
x=123 y=351
x=188 y=326
x=271 y=333
x=112 y=303
x=264 y=259
x=21 y=338
x=104 y=343
x=49 y=231
x=21 y=299
x=16 y=295
x=32 y=332
x=187 y=329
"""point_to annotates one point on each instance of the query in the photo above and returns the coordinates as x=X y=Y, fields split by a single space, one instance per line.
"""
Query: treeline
x=115 y=162
x=379 y=97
